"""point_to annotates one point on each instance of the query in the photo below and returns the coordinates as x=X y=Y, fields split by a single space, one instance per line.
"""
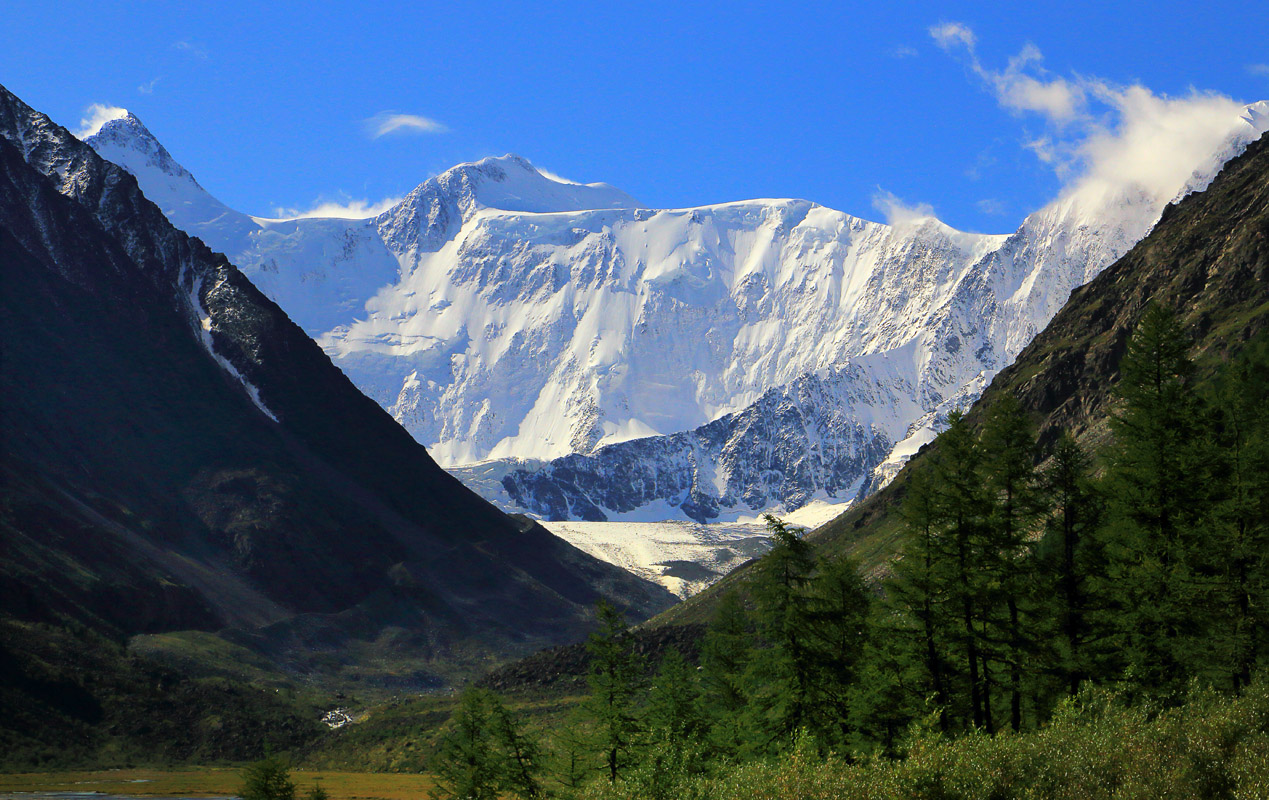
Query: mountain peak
x=121 y=137
x=512 y=183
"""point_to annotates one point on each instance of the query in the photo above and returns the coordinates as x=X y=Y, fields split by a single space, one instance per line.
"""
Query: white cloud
x=897 y=211
x=904 y=51
x=95 y=116
x=386 y=122
x=1259 y=69
x=1103 y=139
x=1152 y=141
x=1015 y=86
x=193 y=48
x=349 y=208
x=148 y=88
x=951 y=34
x=993 y=206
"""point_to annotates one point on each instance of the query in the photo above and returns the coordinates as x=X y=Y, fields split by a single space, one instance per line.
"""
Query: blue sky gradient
x=271 y=105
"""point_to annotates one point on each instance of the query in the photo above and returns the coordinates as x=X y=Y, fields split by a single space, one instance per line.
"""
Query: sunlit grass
x=217 y=781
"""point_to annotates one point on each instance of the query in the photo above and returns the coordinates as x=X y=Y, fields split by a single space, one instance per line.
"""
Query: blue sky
x=980 y=111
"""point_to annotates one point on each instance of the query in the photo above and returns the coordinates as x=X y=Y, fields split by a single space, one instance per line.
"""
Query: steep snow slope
x=715 y=360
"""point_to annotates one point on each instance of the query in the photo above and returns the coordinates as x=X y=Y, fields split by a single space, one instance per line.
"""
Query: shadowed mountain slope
x=177 y=454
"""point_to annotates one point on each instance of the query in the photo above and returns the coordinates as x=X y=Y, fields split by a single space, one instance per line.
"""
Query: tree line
x=1023 y=576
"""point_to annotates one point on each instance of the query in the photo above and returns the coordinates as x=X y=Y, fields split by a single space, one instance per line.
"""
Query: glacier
x=571 y=353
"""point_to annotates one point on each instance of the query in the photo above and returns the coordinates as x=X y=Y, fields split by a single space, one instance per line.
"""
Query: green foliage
x=484 y=754
x=1158 y=487
x=267 y=779
x=614 y=674
x=1098 y=746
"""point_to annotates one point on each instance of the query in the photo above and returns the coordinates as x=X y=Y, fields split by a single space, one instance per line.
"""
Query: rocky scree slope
x=1208 y=258
x=177 y=454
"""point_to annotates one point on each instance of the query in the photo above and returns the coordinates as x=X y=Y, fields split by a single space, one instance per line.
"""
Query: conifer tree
x=521 y=756
x=780 y=680
x=961 y=508
x=675 y=720
x=1072 y=566
x=724 y=659
x=1158 y=482
x=614 y=672
x=917 y=596
x=837 y=614
x=1009 y=454
x=1240 y=546
x=467 y=763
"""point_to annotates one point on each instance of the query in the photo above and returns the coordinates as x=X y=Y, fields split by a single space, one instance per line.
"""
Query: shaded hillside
x=177 y=454
x=1208 y=257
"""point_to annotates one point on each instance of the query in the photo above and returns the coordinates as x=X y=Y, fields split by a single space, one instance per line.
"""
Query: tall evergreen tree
x=961 y=509
x=1009 y=476
x=467 y=763
x=1240 y=546
x=837 y=614
x=724 y=658
x=1158 y=486
x=674 y=720
x=916 y=607
x=614 y=673
x=1071 y=565
x=780 y=678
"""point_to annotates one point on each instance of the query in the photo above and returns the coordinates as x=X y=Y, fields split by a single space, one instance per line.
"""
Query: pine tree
x=1071 y=563
x=724 y=659
x=1240 y=546
x=1009 y=477
x=916 y=607
x=614 y=672
x=779 y=680
x=467 y=764
x=837 y=614
x=961 y=508
x=267 y=779
x=521 y=756
x=1158 y=481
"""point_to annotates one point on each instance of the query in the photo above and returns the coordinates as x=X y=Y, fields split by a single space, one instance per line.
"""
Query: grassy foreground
x=216 y=781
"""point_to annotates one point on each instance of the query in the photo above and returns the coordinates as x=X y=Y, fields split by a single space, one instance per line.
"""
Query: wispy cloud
x=1259 y=69
x=1099 y=137
x=904 y=51
x=1015 y=86
x=993 y=206
x=898 y=211
x=345 y=208
x=148 y=88
x=386 y=122
x=195 y=49
x=95 y=116
x=951 y=34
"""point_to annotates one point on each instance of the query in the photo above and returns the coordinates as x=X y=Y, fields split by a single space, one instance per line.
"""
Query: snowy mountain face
x=711 y=361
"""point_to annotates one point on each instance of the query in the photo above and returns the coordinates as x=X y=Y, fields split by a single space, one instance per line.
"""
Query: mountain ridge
x=179 y=454
x=495 y=334
x=1208 y=258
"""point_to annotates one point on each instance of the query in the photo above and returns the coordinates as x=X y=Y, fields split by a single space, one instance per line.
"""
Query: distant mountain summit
x=499 y=314
x=176 y=454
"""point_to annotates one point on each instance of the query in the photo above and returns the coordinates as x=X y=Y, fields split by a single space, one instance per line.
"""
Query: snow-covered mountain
x=713 y=360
